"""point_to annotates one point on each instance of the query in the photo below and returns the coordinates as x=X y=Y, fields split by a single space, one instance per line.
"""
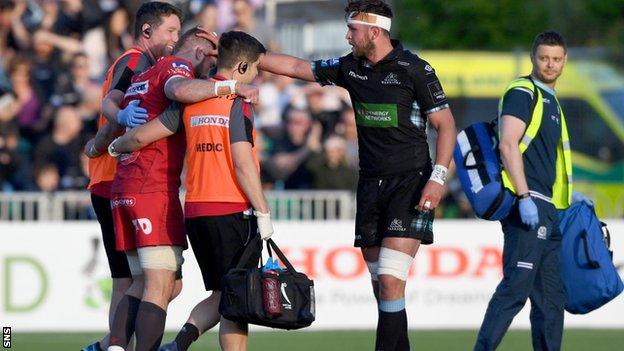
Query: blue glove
x=528 y=212
x=133 y=115
x=578 y=197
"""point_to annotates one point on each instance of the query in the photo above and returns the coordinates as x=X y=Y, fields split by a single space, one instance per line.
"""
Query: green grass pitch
x=443 y=340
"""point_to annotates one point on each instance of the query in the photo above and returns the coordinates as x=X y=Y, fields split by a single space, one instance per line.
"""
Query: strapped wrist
x=524 y=195
x=111 y=149
x=438 y=174
x=225 y=87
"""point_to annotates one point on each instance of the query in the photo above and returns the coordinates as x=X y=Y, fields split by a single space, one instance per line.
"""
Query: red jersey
x=102 y=168
x=156 y=167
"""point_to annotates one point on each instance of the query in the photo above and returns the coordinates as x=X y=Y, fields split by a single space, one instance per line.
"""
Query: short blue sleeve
x=518 y=102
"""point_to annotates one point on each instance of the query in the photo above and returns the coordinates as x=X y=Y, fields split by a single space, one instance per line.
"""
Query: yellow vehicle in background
x=590 y=92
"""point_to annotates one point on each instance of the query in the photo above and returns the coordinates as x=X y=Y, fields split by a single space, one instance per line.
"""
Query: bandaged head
x=369 y=19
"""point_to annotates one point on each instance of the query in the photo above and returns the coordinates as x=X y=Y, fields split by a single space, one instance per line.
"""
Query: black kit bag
x=242 y=299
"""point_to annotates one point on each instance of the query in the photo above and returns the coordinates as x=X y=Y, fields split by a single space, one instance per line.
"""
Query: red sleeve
x=177 y=67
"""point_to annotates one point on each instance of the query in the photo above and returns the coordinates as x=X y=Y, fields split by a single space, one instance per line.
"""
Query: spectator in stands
x=291 y=151
x=329 y=169
x=26 y=106
x=47 y=177
x=205 y=16
x=245 y=20
x=9 y=157
x=117 y=34
x=46 y=61
x=73 y=84
x=276 y=94
x=320 y=110
x=63 y=146
x=348 y=130
x=225 y=14
x=14 y=32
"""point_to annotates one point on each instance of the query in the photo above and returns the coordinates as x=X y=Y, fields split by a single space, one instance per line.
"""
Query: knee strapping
x=373 y=268
x=394 y=263
x=161 y=257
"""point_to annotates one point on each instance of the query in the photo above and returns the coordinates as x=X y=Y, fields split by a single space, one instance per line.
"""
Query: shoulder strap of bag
x=249 y=250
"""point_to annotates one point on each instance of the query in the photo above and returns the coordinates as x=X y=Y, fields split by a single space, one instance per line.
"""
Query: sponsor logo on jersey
x=333 y=62
x=357 y=76
x=123 y=202
x=435 y=89
x=138 y=88
x=210 y=120
x=541 y=233
x=429 y=69
x=396 y=225
x=376 y=115
x=143 y=224
x=391 y=79
x=177 y=65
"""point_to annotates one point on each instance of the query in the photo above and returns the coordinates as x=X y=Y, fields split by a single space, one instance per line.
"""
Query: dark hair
x=190 y=38
x=7 y=5
x=378 y=7
x=550 y=39
x=237 y=46
x=152 y=14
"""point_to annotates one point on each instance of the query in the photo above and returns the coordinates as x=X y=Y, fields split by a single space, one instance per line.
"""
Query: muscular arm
x=105 y=135
x=442 y=121
x=139 y=137
x=512 y=130
x=110 y=105
x=286 y=65
x=187 y=91
x=248 y=176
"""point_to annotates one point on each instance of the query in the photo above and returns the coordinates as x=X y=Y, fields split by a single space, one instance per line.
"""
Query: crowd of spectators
x=53 y=57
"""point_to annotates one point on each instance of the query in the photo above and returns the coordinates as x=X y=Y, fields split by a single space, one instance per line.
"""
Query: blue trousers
x=531 y=269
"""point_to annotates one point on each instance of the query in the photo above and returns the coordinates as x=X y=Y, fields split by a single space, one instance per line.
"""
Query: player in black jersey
x=394 y=94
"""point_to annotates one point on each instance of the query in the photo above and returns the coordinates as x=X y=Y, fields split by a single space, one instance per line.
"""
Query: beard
x=364 y=50
x=547 y=79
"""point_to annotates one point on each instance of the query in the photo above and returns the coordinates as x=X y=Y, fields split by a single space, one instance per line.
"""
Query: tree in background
x=509 y=24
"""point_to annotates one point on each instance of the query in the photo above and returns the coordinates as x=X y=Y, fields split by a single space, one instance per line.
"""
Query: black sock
x=150 y=326
x=391 y=328
x=186 y=336
x=123 y=323
x=403 y=343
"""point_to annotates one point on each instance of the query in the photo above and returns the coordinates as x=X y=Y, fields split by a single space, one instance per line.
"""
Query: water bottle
x=271 y=291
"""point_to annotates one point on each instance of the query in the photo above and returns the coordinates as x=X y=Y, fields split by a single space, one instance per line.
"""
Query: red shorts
x=151 y=219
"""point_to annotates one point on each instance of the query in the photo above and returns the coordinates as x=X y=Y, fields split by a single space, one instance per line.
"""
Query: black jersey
x=391 y=100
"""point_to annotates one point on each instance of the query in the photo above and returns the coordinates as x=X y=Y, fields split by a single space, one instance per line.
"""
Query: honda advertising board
x=54 y=276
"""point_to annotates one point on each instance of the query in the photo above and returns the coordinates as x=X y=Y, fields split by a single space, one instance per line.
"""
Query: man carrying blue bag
x=589 y=276
x=535 y=152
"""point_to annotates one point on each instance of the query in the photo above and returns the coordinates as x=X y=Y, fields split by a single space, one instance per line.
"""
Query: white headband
x=370 y=19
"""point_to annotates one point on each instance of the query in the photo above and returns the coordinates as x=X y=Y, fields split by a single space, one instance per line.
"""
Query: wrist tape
x=224 y=87
x=439 y=174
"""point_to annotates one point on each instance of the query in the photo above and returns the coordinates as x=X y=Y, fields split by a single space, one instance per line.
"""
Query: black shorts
x=117 y=261
x=386 y=208
x=219 y=241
